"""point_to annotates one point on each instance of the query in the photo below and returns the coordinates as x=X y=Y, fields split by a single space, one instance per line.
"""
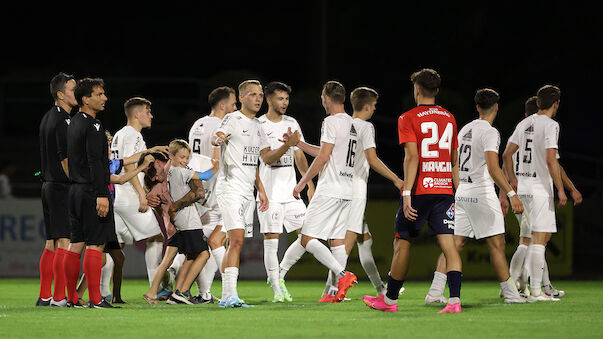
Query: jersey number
x=527 y=157
x=443 y=143
x=464 y=149
x=197 y=146
x=351 y=153
x=115 y=154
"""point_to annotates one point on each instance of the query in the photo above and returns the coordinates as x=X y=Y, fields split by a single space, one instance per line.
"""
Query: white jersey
x=240 y=155
x=279 y=178
x=126 y=142
x=534 y=135
x=474 y=139
x=366 y=140
x=199 y=139
x=177 y=179
x=335 y=179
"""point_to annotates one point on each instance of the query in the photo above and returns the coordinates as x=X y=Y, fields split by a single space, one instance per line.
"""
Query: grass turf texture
x=579 y=314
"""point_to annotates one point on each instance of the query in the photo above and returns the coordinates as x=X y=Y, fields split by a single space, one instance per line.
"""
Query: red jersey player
x=428 y=134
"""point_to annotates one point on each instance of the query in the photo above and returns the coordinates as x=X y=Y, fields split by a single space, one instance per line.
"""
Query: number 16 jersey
x=434 y=131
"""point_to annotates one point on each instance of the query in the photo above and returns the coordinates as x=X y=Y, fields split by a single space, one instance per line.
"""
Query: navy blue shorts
x=435 y=209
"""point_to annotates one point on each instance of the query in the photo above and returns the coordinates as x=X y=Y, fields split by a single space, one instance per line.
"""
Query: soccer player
x=240 y=138
x=478 y=214
x=536 y=139
x=133 y=218
x=278 y=176
x=328 y=210
x=55 y=189
x=89 y=209
x=222 y=101
x=429 y=136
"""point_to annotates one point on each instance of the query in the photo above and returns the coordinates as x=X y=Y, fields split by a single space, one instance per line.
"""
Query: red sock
x=59 y=275
x=46 y=273
x=71 y=265
x=93 y=262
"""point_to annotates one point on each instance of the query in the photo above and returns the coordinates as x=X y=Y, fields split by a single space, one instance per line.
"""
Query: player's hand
x=562 y=198
x=311 y=191
x=516 y=205
x=409 y=212
x=162 y=149
x=293 y=138
x=144 y=205
x=221 y=139
x=147 y=161
x=297 y=190
x=172 y=213
x=286 y=136
x=102 y=206
x=513 y=183
x=264 y=203
x=576 y=197
x=153 y=200
x=504 y=203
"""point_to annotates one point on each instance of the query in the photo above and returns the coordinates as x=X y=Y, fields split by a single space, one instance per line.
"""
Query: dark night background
x=175 y=54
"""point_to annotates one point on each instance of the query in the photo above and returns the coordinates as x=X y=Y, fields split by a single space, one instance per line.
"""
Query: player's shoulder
x=289 y=119
x=262 y=119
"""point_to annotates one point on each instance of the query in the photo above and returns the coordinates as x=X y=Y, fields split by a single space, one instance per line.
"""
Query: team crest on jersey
x=450 y=212
x=275 y=216
x=97 y=126
x=428 y=182
x=468 y=136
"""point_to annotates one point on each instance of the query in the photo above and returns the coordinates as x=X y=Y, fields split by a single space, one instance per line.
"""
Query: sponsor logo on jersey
x=433 y=110
x=250 y=155
x=450 y=212
x=468 y=136
x=467 y=199
x=437 y=166
x=428 y=182
x=97 y=126
x=68 y=121
x=346 y=174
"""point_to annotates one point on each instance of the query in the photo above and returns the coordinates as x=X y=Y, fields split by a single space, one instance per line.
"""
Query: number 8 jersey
x=434 y=130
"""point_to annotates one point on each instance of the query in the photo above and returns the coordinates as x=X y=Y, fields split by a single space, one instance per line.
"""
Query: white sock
x=271 y=264
x=517 y=261
x=106 y=274
x=525 y=273
x=437 y=284
x=292 y=255
x=536 y=268
x=509 y=289
x=152 y=257
x=322 y=254
x=218 y=255
x=177 y=262
x=206 y=277
x=389 y=301
x=229 y=282
x=365 y=254
x=342 y=258
x=546 y=280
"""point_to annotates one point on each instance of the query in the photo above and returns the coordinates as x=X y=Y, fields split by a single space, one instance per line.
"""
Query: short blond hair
x=178 y=144
x=245 y=84
x=109 y=136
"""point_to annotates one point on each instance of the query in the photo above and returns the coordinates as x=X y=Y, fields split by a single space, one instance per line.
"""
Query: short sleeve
x=184 y=175
x=491 y=140
x=455 y=135
x=61 y=138
x=227 y=125
x=405 y=130
x=551 y=135
x=328 y=131
x=263 y=138
x=514 y=138
x=132 y=144
x=367 y=136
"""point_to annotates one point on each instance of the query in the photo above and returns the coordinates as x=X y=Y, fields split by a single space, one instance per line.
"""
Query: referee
x=89 y=206
x=55 y=189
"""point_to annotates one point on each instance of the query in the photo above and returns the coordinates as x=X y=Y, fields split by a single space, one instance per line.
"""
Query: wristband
x=405 y=193
x=511 y=193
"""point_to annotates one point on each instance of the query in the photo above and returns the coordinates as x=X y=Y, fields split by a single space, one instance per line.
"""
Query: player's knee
x=236 y=243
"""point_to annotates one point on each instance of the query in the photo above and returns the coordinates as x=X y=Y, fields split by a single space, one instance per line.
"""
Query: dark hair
x=485 y=98
x=428 y=81
x=133 y=102
x=85 y=87
x=362 y=96
x=547 y=96
x=531 y=105
x=335 y=91
x=151 y=172
x=57 y=83
x=219 y=94
x=276 y=86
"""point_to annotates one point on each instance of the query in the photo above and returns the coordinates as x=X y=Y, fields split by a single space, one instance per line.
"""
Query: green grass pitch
x=578 y=314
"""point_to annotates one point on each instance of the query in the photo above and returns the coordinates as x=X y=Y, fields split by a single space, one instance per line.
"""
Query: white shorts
x=326 y=218
x=288 y=214
x=210 y=219
x=131 y=225
x=524 y=225
x=237 y=212
x=478 y=214
x=540 y=212
x=355 y=222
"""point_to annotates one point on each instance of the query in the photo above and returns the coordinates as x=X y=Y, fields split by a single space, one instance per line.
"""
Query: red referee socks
x=92 y=269
x=59 y=275
x=46 y=273
x=71 y=265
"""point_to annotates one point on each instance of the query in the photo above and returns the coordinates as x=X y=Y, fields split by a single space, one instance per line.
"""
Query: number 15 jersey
x=434 y=131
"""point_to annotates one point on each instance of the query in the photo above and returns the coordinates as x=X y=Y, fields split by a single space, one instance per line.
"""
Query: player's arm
x=195 y=194
x=499 y=178
x=454 y=161
x=272 y=155
x=142 y=195
x=555 y=170
x=61 y=141
x=95 y=140
x=317 y=165
x=309 y=149
x=411 y=166
x=122 y=179
x=508 y=163
x=378 y=166
x=133 y=159
x=261 y=192
x=301 y=162
x=567 y=183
